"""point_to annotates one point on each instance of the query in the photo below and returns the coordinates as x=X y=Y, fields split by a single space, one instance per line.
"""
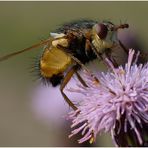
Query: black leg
x=123 y=47
x=108 y=54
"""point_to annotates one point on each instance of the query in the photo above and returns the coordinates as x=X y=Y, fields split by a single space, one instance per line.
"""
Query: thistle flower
x=118 y=104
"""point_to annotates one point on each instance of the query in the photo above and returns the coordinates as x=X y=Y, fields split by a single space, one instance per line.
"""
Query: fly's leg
x=99 y=55
x=80 y=79
x=110 y=57
x=142 y=56
x=107 y=54
x=89 y=44
x=76 y=60
x=65 y=81
x=123 y=47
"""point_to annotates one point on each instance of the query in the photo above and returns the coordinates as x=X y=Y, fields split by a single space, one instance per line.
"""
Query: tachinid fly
x=70 y=47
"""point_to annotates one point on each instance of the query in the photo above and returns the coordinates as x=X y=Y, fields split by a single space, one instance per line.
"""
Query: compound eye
x=101 y=30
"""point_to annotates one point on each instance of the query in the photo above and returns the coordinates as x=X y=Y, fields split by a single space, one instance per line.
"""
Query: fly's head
x=104 y=35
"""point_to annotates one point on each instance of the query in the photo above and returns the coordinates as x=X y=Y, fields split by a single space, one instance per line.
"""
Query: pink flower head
x=117 y=104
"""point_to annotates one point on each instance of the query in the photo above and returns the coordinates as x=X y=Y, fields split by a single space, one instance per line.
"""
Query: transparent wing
x=24 y=50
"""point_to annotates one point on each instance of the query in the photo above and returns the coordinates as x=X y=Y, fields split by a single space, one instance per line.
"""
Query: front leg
x=123 y=47
x=108 y=54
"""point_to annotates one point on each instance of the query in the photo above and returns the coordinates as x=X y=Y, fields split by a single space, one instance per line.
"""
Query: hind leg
x=65 y=81
x=81 y=79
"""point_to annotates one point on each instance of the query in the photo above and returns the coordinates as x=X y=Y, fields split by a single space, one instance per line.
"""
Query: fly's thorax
x=59 y=39
x=62 y=42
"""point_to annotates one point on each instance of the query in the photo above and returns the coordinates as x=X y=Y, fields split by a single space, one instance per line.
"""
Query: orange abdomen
x=53 y=62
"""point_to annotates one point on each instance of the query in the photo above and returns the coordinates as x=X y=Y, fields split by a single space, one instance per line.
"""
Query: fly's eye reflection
x=101 y=30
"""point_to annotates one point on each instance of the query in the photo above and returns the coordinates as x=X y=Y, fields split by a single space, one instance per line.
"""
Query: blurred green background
x=25 y=23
